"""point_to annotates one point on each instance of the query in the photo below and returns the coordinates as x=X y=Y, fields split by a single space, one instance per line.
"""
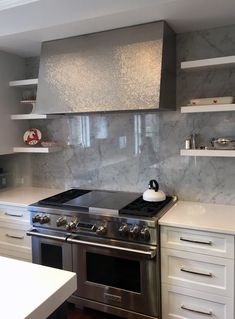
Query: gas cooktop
x=98 y=201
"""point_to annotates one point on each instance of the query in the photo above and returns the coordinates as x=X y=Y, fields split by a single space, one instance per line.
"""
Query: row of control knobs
x=70 y=226
x=134 y=231
x=42 y=219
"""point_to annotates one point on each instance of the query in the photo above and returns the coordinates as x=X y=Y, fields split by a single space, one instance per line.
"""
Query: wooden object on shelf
x=220 y=62
x=28 y=149
x=208 y=153
x=208 y=108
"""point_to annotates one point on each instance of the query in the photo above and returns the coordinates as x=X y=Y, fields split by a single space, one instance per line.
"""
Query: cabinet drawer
x=13 y=214
x=16 y=237
x=196 y=241
x=187 y=304
x=196 y=271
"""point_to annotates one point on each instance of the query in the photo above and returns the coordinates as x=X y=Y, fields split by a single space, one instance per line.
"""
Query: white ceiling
x=24 y=27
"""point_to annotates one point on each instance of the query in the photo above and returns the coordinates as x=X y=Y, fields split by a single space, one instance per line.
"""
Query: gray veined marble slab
x=123 y=151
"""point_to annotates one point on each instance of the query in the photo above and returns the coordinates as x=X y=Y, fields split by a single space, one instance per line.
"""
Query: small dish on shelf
x=30 y=102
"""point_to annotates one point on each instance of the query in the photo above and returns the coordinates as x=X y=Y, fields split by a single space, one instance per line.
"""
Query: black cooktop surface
x=61 y=198
x=124 y=203
x=140 y=207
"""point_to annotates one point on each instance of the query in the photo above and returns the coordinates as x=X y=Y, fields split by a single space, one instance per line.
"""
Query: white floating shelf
x=208 y=63
x=212 y=153
x=28 y=82
x=36 y=149
x=33 y=116
x=208 y=108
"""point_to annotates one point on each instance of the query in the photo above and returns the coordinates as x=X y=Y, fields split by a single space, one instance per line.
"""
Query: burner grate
x=63 y=197
x=140 y=207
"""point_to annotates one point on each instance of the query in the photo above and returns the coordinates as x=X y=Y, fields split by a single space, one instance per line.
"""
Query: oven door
x=117 y=274
x=49 y=248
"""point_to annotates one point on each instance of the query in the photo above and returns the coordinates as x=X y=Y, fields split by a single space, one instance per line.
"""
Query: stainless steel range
x=111 y=240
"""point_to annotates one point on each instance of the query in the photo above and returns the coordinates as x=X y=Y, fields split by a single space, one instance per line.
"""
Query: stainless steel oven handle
x=150 y=253
x=35 y=233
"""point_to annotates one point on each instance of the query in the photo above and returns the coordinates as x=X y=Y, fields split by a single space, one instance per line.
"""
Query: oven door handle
x=149 y=253
x=35 y=233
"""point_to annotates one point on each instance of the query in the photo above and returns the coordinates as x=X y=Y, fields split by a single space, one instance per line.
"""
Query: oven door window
x=113 y=271
x=51 y=255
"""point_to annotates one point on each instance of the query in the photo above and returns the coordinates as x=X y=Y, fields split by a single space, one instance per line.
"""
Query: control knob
x=123 y=230
x=44 y=219
x=71 y=226
x=101 y=230
x=145 y=234
x=61 y=221
x=36 y=218
x=135 y=231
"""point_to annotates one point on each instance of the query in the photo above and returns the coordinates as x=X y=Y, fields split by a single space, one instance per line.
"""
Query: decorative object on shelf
x=32 y=136
x=30 y=102
x=191 y=142
x=223 y=143
x=212 y=100
x=187 y=143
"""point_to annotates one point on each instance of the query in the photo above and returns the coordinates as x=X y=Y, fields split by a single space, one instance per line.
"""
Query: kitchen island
x=30 y=291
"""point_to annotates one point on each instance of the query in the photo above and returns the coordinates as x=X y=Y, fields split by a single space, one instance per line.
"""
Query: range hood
x=125 y=69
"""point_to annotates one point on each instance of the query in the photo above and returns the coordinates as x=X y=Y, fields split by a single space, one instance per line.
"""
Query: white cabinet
x=197 y=270
x=14 y=222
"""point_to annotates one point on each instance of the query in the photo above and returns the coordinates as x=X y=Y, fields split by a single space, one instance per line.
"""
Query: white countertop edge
x=55 y=300
x=22 y=196
x=217 y=218
x=200 y=228
x=38 y=290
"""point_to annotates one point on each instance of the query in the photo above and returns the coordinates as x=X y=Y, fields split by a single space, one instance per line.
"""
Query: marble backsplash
x=123 y=151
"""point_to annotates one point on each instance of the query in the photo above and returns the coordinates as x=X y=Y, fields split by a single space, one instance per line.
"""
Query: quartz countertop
x=201 y=216
x=31 y=291
x=24 y=196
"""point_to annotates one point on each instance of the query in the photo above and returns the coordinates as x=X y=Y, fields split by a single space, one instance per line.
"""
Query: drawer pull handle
x=15 y=236
x=201 y=273
x=14 y=215
x=208 y=313
x=196 y=241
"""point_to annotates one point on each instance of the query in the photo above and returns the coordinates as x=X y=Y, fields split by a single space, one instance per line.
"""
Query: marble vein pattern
x=124 y=150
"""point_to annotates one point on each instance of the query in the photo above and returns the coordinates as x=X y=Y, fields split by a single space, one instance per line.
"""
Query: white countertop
x=30 y=291
x=23 y=196
x=201 y=216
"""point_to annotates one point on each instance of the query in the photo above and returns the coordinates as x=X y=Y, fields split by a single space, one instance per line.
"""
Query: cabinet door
x=14 y=215
x=208 y=243
x=14 y=223
x=11 y=67
x=187 y=304
x=196 y=271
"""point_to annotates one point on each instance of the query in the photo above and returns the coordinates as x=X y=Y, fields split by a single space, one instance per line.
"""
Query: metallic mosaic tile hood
x=130 y=68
